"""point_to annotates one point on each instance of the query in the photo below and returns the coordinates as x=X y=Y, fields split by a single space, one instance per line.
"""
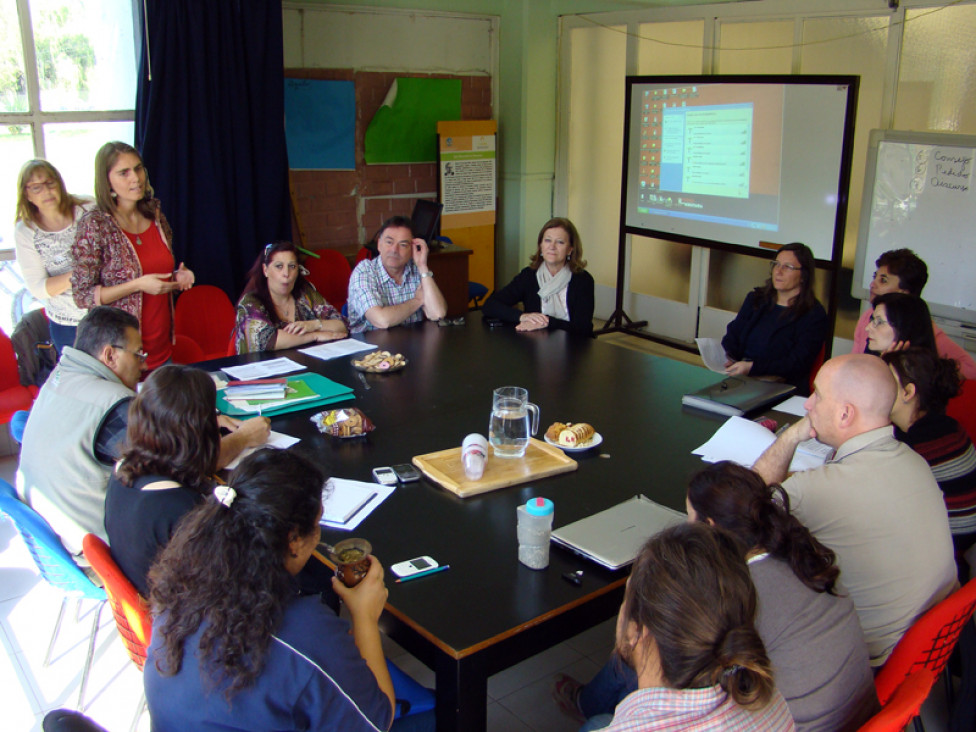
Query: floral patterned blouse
x=257 y=329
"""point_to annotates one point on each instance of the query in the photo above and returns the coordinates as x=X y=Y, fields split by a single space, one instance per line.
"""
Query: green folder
x=305 y=391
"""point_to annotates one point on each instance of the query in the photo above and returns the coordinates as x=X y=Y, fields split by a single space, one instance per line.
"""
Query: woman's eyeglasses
x=773 y=266
x=877 y=321
x=36 y=188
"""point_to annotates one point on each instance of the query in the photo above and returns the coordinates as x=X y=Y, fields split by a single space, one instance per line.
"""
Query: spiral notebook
x=614 y=537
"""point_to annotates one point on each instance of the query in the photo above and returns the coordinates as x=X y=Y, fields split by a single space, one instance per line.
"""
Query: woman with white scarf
x=555 y=290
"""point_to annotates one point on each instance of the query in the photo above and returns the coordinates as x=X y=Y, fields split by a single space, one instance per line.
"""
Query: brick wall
x=342 y=209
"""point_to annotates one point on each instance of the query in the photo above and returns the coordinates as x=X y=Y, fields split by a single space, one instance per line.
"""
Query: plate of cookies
x=380 y=362
x=573 y=437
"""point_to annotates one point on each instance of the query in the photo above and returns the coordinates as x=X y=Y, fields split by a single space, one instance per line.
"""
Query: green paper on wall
x=404 y=128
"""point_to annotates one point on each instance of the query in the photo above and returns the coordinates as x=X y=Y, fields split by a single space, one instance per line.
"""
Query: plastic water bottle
x=534 y=531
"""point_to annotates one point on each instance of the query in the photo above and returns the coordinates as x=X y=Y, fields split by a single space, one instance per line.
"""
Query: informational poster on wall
x=466 y=155
x=468 y=173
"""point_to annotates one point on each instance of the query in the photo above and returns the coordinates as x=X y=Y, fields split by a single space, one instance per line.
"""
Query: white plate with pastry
x=573 y=437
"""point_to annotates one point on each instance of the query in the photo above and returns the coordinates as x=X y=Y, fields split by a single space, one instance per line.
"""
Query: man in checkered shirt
x=397 y=287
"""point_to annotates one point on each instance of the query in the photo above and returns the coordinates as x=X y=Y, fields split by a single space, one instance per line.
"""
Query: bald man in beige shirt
x=875 y=502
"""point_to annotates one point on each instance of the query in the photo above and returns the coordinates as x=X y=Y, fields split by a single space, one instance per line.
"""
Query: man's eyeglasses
x=773 y=266
x=37 y=188
x=140 y=354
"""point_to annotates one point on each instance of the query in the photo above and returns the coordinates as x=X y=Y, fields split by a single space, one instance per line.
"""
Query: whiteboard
x=918 y=194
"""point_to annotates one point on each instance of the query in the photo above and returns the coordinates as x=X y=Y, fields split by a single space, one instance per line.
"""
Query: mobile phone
x=412 y=566
x=406 y=473
x=384 y=476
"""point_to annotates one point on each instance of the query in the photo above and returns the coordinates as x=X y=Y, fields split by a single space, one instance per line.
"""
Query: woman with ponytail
x=810 y=629
x=234 y=646
x=686 y=628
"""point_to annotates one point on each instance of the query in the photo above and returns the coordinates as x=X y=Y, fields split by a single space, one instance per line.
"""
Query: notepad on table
x=346 y=503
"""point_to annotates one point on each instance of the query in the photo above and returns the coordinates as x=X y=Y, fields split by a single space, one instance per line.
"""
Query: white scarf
x=550 y=288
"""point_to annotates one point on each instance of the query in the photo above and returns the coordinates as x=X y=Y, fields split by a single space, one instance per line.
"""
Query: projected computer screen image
x=737 y=161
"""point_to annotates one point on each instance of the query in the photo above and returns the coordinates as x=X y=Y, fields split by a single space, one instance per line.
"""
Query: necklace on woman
x=138 y=237
x=286 y=311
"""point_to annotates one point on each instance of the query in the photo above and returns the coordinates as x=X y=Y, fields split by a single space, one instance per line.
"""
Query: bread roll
x=576 y=434
x=552 y=434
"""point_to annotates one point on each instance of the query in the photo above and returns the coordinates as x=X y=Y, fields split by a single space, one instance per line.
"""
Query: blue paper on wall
x=320 y=124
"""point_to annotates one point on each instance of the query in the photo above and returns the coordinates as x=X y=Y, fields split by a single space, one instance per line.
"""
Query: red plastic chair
x=206 y=315
x=14 y=396
x=330 y=275
x=929 y=642
x=904 y=704
x=130 y=609
x=963 y=408
x=817 y=363
x=186 y=351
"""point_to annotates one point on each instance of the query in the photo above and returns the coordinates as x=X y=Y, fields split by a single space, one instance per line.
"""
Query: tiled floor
x=519 y=698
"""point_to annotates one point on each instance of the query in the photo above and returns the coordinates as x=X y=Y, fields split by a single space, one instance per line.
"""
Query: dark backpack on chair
x=36 y=355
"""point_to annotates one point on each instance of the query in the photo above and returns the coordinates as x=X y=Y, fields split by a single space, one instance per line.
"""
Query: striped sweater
x=949 y=452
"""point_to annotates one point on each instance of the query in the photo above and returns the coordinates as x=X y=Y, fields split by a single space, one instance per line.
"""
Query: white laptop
x=614 y=537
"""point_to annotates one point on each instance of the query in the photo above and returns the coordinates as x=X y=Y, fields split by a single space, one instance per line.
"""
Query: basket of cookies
x=380 y=362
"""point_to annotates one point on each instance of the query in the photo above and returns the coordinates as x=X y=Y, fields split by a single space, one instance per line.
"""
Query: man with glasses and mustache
x=77 y=425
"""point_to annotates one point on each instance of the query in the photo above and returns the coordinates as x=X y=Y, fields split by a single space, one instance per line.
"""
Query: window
x=67 y=85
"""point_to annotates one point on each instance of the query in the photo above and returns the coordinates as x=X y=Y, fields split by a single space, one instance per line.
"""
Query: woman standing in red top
x=123 y=251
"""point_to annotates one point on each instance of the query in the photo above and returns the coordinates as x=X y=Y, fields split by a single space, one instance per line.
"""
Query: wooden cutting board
x=540 y=461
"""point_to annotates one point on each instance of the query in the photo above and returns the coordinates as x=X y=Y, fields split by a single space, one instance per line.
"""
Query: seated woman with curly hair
x=234 y=646
x=171 y=448
x=280 y=308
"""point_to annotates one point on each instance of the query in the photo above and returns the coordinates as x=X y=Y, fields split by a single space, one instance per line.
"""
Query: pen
x=435 y=570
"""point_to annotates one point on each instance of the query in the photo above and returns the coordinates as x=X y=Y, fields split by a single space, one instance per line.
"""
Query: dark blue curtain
x=210 y=125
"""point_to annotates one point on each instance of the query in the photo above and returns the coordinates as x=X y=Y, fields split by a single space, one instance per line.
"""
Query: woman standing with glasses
x=781 y=326
x=47 y=216
x=123 y=251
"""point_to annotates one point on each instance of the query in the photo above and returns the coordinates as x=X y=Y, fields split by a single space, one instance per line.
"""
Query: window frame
x=34 y=117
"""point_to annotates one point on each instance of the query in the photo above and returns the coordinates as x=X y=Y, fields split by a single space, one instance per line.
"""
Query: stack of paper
x=263 y=369
x=296 y=391
x=743 y=441
x=302 y=392
x=256 y=389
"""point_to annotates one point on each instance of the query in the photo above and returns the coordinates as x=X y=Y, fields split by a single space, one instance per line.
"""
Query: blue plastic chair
x=56 y=567
x=411 y=697
x=17 y=425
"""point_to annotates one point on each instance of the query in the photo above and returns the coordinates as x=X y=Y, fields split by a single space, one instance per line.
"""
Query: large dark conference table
x=489 y=612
